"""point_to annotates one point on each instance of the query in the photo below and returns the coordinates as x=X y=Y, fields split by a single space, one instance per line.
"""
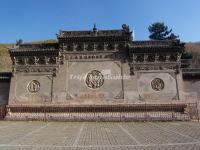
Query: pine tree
x=159 y=31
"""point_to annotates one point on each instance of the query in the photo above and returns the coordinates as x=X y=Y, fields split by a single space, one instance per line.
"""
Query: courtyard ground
x=99 y=135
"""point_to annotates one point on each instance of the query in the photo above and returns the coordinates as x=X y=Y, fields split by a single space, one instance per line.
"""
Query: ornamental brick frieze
x=92 y=46
x=80 y=57
x=156 y=67
x=150 y=58
x=18 y=61
x=52 y=60
x=40 y=60
x=138 y=58
x=153 y=66
x=36 y=69
x=174 y=57
x=33 y=60
x=143 y=67
x=162 y=58
x=100 y=47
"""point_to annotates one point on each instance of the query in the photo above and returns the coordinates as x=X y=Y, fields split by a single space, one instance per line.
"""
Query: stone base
x=131 y=112
x=116 y=116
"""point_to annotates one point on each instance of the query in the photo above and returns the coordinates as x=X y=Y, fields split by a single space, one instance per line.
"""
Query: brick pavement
x=99 y=135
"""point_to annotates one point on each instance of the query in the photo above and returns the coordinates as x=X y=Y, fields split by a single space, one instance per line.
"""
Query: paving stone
x=99 y=135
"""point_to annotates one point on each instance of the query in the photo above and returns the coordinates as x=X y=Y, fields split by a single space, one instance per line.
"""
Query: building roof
x=5 y=75
x=123 y=34
x=35 y=48
x=98 y=33
x=191 y=73
x=153 y=46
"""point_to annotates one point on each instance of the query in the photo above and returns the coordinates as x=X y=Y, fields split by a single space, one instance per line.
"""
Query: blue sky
x=42 y=19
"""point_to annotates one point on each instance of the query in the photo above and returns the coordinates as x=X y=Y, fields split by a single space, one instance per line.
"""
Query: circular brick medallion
x=33 y=86
x=157 y=84
x=94 y=79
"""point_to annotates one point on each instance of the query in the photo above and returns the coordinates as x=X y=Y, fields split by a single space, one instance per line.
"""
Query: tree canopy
x=159 y=31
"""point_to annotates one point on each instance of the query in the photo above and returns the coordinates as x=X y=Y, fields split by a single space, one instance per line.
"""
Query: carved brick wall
x=30 y=89
x=157 y=86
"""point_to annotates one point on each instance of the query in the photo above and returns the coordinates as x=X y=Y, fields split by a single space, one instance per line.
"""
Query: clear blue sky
x=41 y=19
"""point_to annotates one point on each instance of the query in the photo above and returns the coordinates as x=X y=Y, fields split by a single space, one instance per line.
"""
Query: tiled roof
x=36 y=48
x=156 y=45
x=5 y=75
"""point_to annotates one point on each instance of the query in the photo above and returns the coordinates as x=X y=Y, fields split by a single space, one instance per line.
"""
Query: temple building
x=95 y=68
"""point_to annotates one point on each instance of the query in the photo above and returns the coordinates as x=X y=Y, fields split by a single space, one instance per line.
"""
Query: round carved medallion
x=33 y=86
x=157 y=84
x=94 y=79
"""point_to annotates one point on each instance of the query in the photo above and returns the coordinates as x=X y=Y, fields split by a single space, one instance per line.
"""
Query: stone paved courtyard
x=99 y=135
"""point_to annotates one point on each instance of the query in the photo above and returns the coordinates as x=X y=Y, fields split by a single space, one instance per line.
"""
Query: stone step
x=106 y=116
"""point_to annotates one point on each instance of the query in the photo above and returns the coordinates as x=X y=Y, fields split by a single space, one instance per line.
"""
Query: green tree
x=159 y=31
x=18 y=42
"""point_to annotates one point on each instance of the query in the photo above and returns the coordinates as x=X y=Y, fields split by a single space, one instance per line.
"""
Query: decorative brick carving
x=33 y=86
x=94 y=79
x=157 y=84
